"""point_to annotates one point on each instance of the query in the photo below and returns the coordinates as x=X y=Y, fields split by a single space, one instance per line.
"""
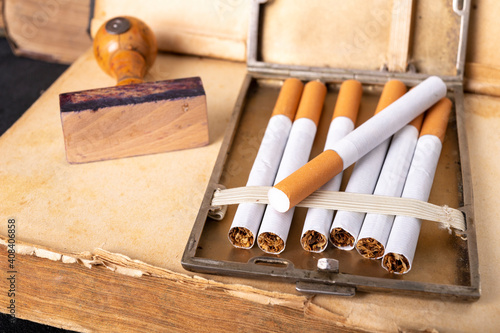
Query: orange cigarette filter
x=436 y=119
x=393 y=90
x=311 y=102
x=348 y=101
x=310 y=107
x=289 y=98
x=309 y=178
x=417 y=122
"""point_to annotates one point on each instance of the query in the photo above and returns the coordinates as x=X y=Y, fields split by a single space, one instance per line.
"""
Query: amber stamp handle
x=125 y=48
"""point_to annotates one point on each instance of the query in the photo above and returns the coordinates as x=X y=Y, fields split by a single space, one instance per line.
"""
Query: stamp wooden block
x=133 y=120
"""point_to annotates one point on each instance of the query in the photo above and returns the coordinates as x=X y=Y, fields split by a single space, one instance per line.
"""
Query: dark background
x=22 y=81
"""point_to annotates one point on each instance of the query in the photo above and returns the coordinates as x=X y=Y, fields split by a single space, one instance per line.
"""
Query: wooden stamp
x=133 y=118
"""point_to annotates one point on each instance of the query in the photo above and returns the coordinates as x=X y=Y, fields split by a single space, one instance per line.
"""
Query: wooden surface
x=132 y=120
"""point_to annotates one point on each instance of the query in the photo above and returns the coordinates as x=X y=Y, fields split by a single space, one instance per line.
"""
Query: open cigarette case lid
x=333 y=41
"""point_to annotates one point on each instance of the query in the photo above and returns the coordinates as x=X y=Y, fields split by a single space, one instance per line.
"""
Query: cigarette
x=345 y=228
x=403 y=239
x=376 y=228
x=352 y=147
x=248 y=216
x=273 y=232
x=317 y=223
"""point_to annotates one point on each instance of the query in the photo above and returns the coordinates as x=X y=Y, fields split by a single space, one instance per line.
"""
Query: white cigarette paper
x=296 y=154
x=318 y=219
x=275 y=226
x=356 y=144
x=375 y=230
x=363 y=179
x=247 y=218
x=248 y=215
x=403 y=239
x=346 y=225
x=394 y=117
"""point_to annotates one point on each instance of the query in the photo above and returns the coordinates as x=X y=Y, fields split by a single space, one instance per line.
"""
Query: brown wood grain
x=133 y=120
x=74 y=297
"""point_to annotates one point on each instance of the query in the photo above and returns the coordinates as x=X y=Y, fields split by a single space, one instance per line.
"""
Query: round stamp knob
x=118 y=25
x=125 y=48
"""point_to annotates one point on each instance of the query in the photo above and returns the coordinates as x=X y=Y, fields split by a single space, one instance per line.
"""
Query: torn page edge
x=122 y=264
x=23 y=248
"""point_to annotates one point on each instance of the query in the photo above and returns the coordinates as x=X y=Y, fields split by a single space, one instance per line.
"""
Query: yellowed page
x=483 y=59
x=139 y=206
x=207 y=28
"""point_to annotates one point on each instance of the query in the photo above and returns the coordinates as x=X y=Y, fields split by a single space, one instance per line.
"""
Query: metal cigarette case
x=446 y=263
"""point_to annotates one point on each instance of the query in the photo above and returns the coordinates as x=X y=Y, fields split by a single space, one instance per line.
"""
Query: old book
x=2 y=24
x=215 y=29
x=53 y=30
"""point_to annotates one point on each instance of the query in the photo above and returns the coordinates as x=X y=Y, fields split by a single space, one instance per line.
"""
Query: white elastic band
x=356 y=202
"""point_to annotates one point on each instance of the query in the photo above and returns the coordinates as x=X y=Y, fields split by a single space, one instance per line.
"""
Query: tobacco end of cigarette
x=270 y=242
x=296 y=187
x=348 y=101
x=311 y=102
x=289 y=98
x=396 y=263
x=241 y=237
x=341 y=238
x=393 y=90
x=370 y=248
x=436 y=119
x=313 y=241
